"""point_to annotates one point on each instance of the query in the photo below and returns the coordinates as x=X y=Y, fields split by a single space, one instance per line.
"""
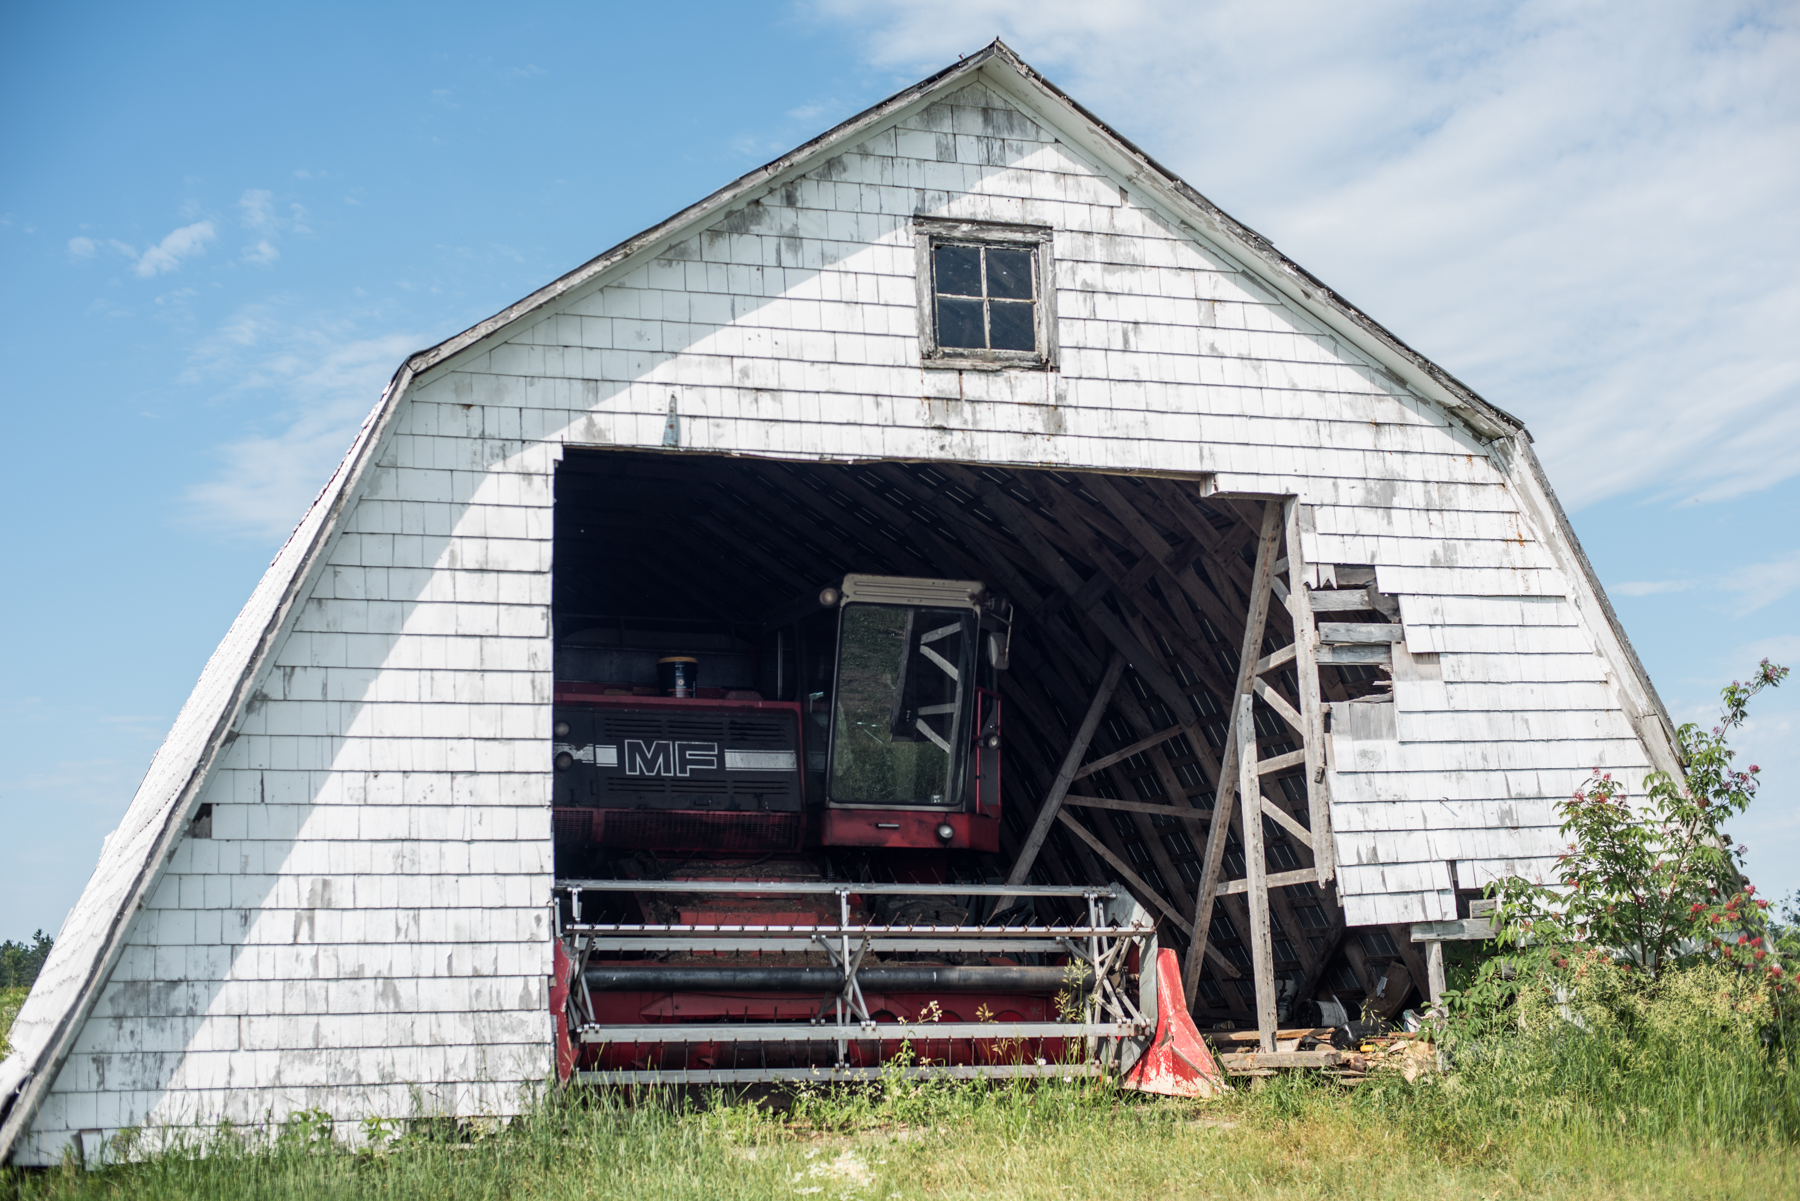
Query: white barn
x=332 y=889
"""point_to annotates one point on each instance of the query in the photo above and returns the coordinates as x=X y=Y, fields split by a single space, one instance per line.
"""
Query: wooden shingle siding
x=367 y=925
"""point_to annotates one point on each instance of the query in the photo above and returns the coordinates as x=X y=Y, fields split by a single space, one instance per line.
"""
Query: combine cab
x=799 y=878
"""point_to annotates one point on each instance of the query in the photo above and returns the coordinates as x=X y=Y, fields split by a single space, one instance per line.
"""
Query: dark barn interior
x=656 y=553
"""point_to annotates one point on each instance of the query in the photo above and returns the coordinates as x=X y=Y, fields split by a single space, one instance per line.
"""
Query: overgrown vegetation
x=1294 y=1138
x=1655 y=880
x=10 y=1000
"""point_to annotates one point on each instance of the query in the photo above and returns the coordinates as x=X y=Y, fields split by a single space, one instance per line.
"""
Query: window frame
x=927 y=234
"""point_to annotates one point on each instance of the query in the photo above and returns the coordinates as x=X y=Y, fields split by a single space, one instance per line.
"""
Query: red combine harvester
x=796 y=881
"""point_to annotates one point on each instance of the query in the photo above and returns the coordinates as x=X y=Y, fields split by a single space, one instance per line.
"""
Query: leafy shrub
x=1655 y=880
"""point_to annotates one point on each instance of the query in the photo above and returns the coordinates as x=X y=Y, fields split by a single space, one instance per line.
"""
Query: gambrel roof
x=134 y=856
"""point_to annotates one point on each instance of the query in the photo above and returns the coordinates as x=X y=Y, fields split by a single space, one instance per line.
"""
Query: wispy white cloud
x=1650 y=587
x=82 y=248
x=259 y=213
x=1749 y=588
x=1585 y=210
x=1763 y=584
x=257 y=209
x=183 y=243
x=320 y=378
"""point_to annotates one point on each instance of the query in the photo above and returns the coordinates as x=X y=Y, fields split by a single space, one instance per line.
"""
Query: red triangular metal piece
x=1178 y=1062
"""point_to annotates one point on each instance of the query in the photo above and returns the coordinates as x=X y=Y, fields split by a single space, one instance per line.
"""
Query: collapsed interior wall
x=658 y=548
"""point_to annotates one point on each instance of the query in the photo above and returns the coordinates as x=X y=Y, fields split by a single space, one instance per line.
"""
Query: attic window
x=985 y=299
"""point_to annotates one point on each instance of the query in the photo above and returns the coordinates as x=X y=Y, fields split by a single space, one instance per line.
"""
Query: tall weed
x=1582 y=1042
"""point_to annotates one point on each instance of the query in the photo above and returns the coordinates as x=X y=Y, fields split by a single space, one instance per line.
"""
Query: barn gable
x=331 y=888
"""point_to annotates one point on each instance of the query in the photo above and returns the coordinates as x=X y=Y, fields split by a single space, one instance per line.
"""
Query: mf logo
x=666 y=758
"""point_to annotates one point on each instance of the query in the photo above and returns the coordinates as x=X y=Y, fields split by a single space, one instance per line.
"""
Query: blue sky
x=223 y=226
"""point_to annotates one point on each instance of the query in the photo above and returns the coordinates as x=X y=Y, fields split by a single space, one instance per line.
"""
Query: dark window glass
x=959 y=270
x=959 y=324
x=901 y=674
x=1009 y=273
x=1012 y=325
x=986 y=297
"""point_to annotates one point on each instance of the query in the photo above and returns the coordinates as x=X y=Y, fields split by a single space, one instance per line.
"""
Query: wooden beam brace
x=1138 y=884
x=1033 y=779
x=1256 y=880
x=1270 y=766
x=1142 y=887
x=1059 y=788
x=1277 y=702
x=1262 y=577
x=1286 y=821
x=1271 y=662
x=1120 y=755
x=1155 y=808
x=1312 y=709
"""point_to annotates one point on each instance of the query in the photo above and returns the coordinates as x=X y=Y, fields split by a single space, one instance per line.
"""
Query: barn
x=1259 y=559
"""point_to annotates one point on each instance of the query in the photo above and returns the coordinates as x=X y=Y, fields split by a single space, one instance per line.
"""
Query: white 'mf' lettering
x=689 y=755
x=649 y=758
x=666 y=758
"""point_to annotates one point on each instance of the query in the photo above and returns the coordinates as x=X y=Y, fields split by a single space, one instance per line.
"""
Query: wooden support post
x=1040 y=829
x=1262 y=576
x=1262 y=953
x=1312 y=713
x=1434 y=971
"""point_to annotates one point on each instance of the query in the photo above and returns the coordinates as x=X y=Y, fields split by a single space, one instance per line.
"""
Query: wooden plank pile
x=1240 y=1054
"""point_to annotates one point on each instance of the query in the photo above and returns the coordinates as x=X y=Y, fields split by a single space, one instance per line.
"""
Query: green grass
x=1293 y=1138
x=1684 y=1091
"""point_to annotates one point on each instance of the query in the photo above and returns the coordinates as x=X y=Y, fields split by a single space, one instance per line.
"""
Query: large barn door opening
x=1166 y=697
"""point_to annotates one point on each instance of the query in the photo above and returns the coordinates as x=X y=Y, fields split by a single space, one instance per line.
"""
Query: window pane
x=1009 y=273
x=1013 y=327
x=959 y=324
x=959 y=271
x=899 y=693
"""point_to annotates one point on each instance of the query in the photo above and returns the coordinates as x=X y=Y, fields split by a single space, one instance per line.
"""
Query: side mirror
x=999 y=650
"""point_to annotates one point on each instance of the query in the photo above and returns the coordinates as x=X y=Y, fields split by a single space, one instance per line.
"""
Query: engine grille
x=698 y=831
x=678 y=757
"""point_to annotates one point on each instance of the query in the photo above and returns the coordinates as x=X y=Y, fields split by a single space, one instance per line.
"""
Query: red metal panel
x=561 y=969
x=1178 y=1063
x=909 y=828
